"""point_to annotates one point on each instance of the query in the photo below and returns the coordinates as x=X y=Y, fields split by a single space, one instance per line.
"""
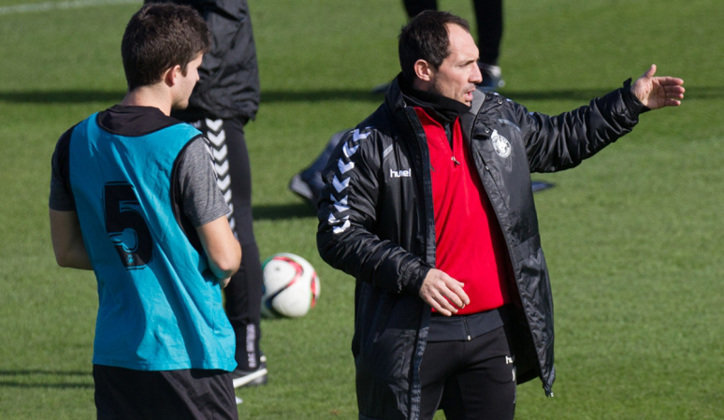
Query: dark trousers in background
x=489 y=24
x=243 y=294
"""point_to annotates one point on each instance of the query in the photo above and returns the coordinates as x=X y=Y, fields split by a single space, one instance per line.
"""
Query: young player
x=134 y=197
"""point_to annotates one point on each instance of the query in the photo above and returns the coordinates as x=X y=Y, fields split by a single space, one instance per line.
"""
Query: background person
x=428 y=204
x=133 y=196
x=223 y=101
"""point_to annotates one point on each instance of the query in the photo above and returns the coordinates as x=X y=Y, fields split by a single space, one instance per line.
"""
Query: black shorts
x=172 y=394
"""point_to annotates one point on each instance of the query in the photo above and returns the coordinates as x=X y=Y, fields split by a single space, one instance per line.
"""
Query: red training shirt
x=469 y=244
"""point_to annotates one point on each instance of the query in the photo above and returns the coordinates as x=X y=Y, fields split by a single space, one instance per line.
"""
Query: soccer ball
x=291 y=286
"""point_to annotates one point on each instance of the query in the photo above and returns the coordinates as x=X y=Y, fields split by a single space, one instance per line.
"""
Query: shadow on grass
x=283 y=211
x=41 y=378
x=271 y=96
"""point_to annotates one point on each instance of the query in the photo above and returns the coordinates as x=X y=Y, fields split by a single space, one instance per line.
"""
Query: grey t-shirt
x=202 y=199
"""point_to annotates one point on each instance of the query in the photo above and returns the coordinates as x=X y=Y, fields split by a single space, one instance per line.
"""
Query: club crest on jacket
x=500 y=144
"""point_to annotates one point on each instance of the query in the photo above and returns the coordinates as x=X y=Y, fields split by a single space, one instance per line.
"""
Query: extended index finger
x=670 y=80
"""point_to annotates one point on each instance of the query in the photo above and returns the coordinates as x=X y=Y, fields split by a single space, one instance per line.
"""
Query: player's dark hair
x=158 y=37
x=426 y=37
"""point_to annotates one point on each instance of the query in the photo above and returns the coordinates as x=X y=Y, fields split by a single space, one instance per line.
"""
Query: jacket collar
x=400 y=94
x=443 y=109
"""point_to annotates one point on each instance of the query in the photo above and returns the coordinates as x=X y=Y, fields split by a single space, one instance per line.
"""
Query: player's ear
x=170 y=75
x=423 y=70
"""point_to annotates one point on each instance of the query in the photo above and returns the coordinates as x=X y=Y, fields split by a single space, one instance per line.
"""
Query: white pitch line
x=73 y=4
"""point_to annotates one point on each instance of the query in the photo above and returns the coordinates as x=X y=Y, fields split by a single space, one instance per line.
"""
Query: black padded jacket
x=229 y=77
x=376 y=223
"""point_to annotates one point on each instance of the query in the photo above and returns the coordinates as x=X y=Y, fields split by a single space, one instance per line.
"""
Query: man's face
x=187 y=82
x=459 y=72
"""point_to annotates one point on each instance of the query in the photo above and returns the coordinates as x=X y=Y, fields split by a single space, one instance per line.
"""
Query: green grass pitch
x=633 y=237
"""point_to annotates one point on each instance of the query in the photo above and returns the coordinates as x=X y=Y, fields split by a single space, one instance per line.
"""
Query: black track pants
x=469 y=379
x=243 y=294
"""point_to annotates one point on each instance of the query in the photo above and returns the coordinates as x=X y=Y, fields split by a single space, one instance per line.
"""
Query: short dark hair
x=426 y=37
x=158 y=37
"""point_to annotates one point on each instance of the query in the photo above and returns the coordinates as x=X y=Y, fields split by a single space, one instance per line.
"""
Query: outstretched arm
x=658 y=92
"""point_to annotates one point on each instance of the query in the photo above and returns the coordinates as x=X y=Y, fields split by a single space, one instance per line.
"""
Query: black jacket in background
x=229 y=76
x=376 y=223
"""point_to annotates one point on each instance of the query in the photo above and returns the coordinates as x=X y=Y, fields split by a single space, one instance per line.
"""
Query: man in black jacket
x=428 y=204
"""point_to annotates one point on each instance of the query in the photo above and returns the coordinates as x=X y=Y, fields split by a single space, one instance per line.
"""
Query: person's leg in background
x=243 y=294
x=413 y=7
x=308 y=183
x=489 y=23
